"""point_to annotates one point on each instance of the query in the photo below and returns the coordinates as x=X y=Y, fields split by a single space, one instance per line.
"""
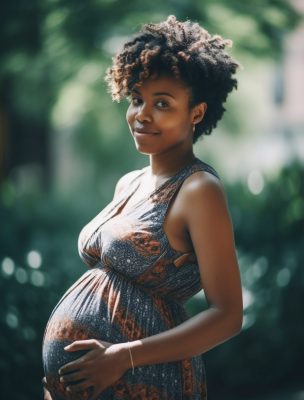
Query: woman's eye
x=162 y=104
x=135 y=101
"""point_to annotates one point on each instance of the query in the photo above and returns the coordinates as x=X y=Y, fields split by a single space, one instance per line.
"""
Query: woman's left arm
x=209 y=224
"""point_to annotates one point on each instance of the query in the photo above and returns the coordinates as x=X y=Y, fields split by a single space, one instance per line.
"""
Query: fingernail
x=59 y=371
x=68 y=389
x=61 y=379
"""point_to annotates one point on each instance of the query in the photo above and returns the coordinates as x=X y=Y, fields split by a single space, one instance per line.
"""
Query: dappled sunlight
x=72 y=104
x=34 y=259
x=255 y=182
x=7 y=266
x=283 y=277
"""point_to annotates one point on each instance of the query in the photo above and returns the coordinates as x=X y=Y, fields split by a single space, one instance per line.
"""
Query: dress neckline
x=169 y=179
x=123 y=210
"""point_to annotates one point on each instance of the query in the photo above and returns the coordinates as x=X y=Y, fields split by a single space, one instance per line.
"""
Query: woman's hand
x=46 y=393
x=99 y=368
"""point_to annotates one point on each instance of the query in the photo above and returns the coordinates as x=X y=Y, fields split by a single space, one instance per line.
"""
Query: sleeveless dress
x=135 y=286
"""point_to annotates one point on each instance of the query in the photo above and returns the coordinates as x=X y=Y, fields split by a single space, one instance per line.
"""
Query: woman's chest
x=134 y=239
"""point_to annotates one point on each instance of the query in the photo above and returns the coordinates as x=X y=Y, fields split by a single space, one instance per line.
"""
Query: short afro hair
x=183 y=50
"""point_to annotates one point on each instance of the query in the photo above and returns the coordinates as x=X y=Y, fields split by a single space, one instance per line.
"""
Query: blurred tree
x=43 y=44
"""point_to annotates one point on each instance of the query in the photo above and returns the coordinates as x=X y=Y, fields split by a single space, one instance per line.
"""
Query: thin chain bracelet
x=131 y=358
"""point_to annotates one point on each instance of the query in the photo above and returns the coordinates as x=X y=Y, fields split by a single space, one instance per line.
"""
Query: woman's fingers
x=76 y=376
x=70 y=367
x=47 y=395
x=78 y=387
x=90 y=344
x=74 y=366
x=82 y=345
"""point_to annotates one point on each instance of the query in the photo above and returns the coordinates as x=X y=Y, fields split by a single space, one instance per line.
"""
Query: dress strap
x=167 y=191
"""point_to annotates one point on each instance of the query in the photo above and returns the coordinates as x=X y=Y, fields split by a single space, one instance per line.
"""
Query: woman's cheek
x=129 y=114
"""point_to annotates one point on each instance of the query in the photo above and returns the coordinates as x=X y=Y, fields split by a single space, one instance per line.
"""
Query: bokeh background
x=64 y=144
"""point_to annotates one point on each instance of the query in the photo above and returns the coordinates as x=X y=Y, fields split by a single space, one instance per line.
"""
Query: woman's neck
x=166 y=165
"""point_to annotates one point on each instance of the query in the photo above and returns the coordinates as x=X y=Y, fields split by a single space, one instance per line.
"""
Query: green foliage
x=39 y=260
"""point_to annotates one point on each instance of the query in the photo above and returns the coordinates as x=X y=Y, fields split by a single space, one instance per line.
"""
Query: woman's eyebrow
x=155 y=94
x=163 y=94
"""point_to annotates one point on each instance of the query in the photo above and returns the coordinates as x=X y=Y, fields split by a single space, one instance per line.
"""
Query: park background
x=64 y=145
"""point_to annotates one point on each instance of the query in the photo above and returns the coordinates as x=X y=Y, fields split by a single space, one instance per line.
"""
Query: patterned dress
x=135 y=286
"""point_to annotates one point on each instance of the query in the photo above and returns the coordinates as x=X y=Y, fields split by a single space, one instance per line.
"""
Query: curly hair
x=186 y=51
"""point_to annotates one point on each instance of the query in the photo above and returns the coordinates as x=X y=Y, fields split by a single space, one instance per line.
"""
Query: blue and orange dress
x=135 y=286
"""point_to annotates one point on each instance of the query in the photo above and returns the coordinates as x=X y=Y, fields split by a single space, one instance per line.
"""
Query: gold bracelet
x=131 y=358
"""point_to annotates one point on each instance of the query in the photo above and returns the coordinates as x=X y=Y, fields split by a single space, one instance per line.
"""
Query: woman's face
x=159 y=116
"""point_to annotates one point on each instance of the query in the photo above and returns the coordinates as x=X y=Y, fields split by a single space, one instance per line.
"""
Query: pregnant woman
x=121 y=331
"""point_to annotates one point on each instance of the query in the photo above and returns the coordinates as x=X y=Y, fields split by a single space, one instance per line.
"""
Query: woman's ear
x=198 y=112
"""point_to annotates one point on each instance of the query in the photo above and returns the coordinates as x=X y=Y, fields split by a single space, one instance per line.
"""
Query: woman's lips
x=143 y=132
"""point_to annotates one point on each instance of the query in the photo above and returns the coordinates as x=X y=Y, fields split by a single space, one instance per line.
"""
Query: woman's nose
x=143 y=114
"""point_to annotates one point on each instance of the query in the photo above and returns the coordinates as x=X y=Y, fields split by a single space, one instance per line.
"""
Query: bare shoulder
x=125 y=181
x=203 y=197
x=203 y=186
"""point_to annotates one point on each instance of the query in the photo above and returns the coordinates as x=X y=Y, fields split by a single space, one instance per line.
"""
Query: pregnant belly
x=105 y=306
x=82 y=313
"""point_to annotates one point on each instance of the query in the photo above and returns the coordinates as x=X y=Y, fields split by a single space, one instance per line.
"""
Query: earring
x=193 y=127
